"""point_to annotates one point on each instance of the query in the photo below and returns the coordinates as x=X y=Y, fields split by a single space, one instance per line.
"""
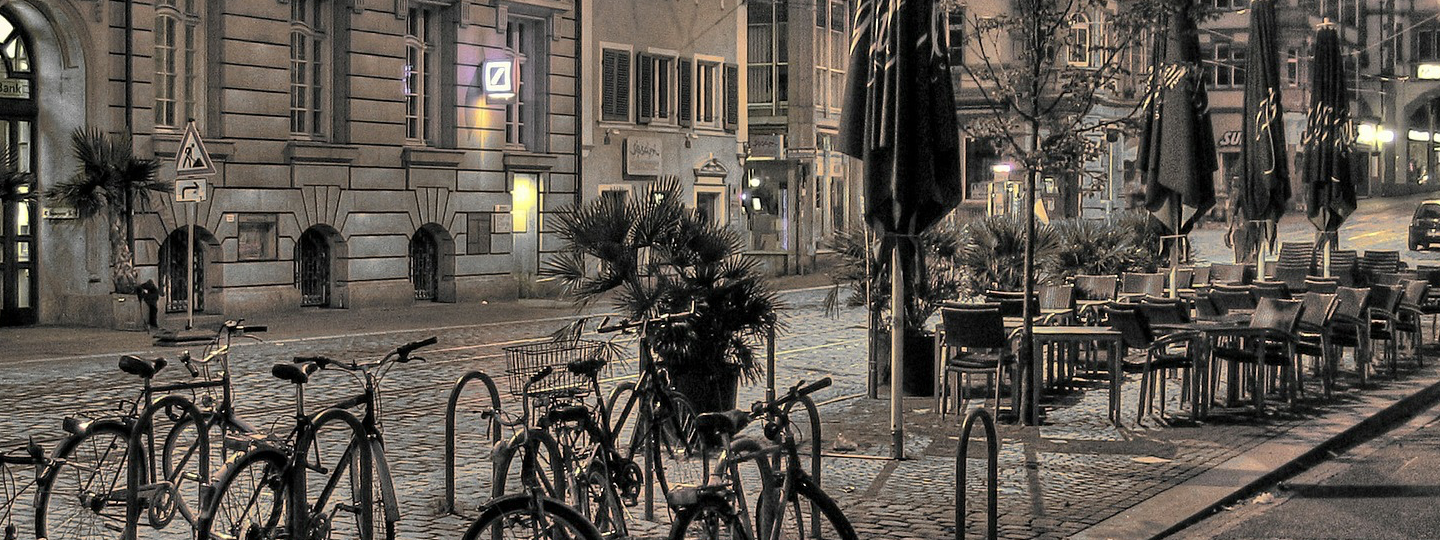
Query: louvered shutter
x=684 y=113
x=645 y=88
x=615 y=86
x=732 y=97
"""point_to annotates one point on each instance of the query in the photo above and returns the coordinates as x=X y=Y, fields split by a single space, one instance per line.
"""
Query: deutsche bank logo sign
x=499 y=78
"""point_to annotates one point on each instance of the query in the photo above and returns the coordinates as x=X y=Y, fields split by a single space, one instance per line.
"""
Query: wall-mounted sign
x=642 y=156
x=1230 y=138
x=15 y=88
x=767 y=146
x=500 y=78
x=1427 y=71
x=59 y=212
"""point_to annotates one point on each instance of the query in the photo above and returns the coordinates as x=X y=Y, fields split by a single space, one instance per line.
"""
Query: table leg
x=1116 y=378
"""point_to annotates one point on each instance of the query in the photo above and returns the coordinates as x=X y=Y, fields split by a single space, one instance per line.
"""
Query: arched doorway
x=19 y=275
x=314 y=259
x=173 y=274
x=432 y=264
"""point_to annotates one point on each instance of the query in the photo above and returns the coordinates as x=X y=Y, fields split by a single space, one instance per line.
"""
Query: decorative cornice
x=320 y=152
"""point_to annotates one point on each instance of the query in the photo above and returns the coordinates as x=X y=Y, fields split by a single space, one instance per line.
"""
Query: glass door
x=18 y=275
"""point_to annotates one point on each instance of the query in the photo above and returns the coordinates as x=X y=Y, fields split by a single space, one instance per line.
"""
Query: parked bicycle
x=789 y=505
x=12 y=488
x=268 y=493
x=536 y=513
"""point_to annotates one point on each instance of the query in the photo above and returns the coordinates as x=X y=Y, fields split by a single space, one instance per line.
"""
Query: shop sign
x=499 y=78
x=767 y=146
x=642 y=156
x=59 y=212
x=1230 y=138
x=15 y=88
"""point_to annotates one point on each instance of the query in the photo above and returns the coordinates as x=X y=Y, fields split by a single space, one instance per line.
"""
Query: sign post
x=192 y=165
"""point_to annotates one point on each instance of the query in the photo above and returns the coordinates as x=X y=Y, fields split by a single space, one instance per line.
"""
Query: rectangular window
x=655 y=89
x=1292 y=66
x=1226 y=66
x=767 y=73
x=419 y=68
x=477 y=233
x=710 y=205
x=307 y=69
x=176 y=26
x=615 y=85
x=258 y=237
x=524 y=37
x=707 y=93
x=1425 y=44
x=731 y=79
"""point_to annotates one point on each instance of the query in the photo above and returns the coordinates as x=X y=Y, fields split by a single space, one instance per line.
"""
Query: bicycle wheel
x=809 y=514
x=602 y=504
x=180 y=453
x=248 y=501
x=708 y=520
x=343 y=488
x=82 y=493
x=510 y=473
x=673 y=432
x=517 y=516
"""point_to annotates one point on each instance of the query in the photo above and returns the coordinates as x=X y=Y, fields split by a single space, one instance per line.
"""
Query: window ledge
x=167 y=144
x=320 y=152
x=424 y=156
x=529 y=161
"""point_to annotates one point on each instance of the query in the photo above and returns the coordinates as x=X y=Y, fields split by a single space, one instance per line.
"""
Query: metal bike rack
x=138 y=432
x=449 y=502
x=992 y=460
x=814 y=413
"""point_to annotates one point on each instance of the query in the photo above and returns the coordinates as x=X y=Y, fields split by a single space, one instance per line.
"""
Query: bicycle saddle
x=715 y=424
x=568 y=413
x=295 y=373
x=588 y=367
x=141 y=367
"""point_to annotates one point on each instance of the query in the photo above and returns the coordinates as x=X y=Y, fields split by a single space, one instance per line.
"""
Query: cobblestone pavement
x=1055 y=480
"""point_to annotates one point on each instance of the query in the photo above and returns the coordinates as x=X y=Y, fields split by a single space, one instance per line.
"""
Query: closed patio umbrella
x=1264 y=187
x=1177 y=144
x=899 y=118
x=1329 y=135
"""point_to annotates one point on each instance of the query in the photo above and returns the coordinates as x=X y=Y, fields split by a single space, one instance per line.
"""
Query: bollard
x=814 y=413
x=992 y=459
x=494 y=429
x=135 y=469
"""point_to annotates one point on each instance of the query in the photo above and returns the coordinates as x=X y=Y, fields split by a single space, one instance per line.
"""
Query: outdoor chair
x=1321 y=284
x=1312 y=336
x=1057 y=304
x=1091 y=289
x=1376 y=262
x=1410 y=314
x=1201 y=277
x=1184 y=280
x=1138 y=285
x=1270 y=289
x=1165 y=311
x=1205 y=308
x=1431 y=304
x=1173 y=351
x=1343 y=265
x=1009 y=301
x=1349 y=327
x=1267 y=344
x=1299 y=255
x=1381 y=307
x=1234 y=274
x=974 y=343
x=1230 y=298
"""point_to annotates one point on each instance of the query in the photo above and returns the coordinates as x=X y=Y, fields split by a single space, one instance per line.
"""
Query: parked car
x=1425 y=226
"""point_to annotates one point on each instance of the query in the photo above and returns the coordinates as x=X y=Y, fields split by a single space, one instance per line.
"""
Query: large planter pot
x=918 y=378
x=127 y=313
x=709 y=390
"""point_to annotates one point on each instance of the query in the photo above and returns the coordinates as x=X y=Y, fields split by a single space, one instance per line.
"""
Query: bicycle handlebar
x=403 y=352
x=626 y=324
x=323 y=362
x=796 y=392
x=189 y=364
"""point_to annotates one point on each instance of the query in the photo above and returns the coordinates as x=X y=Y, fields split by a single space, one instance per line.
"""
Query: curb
x=1176 y=508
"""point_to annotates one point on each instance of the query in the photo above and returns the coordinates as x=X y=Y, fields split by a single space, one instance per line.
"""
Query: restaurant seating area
x=1235 y=341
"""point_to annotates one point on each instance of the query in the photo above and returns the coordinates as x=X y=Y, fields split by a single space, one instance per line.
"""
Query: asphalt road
x=1386 y=489
x=1378 y=224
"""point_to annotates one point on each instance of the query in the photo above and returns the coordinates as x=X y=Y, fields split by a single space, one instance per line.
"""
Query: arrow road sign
x=192 y=159
x=189 y=189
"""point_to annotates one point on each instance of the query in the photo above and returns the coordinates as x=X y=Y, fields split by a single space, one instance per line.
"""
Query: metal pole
x=897 y=351
x=770 y=364
x=190 y=272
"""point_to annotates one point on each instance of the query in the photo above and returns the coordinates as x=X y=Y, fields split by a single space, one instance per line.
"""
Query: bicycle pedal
x=190 y=476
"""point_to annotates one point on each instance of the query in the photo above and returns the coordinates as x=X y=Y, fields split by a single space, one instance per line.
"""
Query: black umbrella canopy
x=1177 y=145
x=1329 y=133
x=899 y=115
x=1264 y=187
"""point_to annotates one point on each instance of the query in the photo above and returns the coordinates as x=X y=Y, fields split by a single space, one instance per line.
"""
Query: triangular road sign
x=192 y=159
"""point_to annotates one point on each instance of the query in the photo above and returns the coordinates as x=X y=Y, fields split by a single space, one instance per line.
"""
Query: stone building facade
x=363 y=160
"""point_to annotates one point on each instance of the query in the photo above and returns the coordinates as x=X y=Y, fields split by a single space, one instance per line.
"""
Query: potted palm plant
x=108 y=184
x=649 y=255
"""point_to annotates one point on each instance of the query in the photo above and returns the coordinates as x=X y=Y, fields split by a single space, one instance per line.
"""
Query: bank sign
x=642 y=156
x=15 y=88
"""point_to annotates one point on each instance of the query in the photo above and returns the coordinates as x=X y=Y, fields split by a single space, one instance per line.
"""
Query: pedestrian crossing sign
x=192 y=159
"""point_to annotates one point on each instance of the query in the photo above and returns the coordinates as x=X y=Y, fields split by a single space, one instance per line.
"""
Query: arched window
x=1080 y=42
x=177 y=71
x=308 y=70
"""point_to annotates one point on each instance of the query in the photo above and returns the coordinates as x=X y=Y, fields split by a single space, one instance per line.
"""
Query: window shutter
x=615 y=86
x=732 y=97
x=622 y=86
x=686 y=93
x=645 y=88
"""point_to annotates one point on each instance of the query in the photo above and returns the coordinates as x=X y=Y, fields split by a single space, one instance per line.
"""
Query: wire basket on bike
x=523 y=361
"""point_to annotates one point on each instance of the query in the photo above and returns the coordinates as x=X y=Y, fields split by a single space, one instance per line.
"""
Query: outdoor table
x=1054 y=337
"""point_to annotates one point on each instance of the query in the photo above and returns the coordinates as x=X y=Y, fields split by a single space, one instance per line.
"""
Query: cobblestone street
x=1055 y=480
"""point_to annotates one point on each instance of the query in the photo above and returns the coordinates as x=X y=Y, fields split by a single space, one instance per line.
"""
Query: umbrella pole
x=897 y=352
x=1175 y=245
x=1325 y=248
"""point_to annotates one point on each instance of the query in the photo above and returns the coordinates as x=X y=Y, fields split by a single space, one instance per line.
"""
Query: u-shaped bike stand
x=494 y=429
x=135 y=472
x=992 y=461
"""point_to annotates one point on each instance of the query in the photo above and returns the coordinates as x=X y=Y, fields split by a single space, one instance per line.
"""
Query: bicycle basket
x=524 y=361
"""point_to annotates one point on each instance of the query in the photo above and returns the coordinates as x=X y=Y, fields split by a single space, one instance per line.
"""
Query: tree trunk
x=122 y=260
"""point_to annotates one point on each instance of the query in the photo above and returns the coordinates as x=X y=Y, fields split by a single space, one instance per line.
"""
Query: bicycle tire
x=492 y=523
x=504 y=458
x=253 y=478
x=800 y=527
x=185 y=492
x=99 y=452
x=676 y=441
x=348 y=497
x=708 y=520
x=602 y=505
